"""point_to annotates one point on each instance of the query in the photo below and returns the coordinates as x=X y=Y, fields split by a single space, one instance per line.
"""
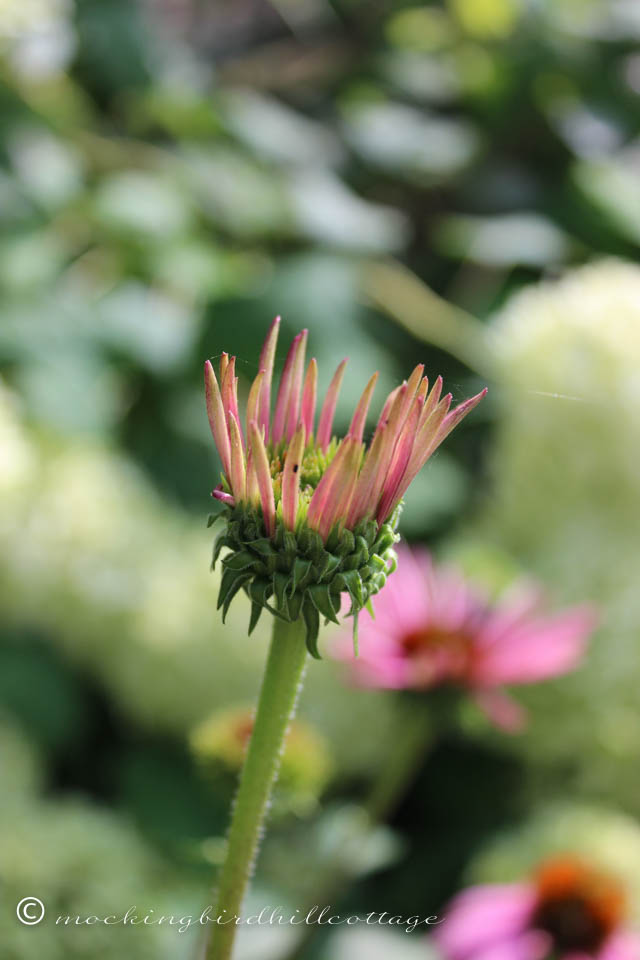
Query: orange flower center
x=577 y=906
x=445 y=653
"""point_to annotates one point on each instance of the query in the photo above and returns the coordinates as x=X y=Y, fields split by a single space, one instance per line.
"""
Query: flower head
x=433 y=628
x=219 y=744
x=569 y=910
x=309 y=516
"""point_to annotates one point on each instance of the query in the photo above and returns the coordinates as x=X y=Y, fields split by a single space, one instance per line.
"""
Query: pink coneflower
x=310 y=516
x=569 y=911
x=432 y=628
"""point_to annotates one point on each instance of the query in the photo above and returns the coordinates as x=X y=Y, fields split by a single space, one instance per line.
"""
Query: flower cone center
x=577 y=907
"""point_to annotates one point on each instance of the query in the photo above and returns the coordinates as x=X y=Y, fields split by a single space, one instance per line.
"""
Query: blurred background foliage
x=398 y=178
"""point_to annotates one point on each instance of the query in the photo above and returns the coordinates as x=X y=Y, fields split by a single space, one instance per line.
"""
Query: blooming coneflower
x=309 y=516
x=433 y=628
x=570 y=910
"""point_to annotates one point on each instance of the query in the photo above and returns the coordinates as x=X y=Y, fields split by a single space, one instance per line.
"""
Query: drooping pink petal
x=623 y=945
x=267 y=356
x=535 y=650
x=391 y=435
x=386 y=409
x=361 y=504
x=226 y=498
x=501 y=710
x=238 y=476
x=399 y=461
x=291 y=478
x=217 y=417
x=356 y=429
x=454 y=417
x=261 y=466
x=483 y=917
x=325 y=423
x=284 y=397
x=229 y=390
x=308 y=408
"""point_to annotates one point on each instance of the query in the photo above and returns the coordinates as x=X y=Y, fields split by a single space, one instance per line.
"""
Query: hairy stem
x=276 y=706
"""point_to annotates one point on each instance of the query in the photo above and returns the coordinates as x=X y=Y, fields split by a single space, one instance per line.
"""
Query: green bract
x=296 y=575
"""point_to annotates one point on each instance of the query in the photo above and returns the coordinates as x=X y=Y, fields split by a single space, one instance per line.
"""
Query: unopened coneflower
x=307 y=518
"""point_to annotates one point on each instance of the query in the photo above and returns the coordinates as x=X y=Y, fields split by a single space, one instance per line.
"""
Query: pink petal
x=238 y=477
x=308 y=410
x=263 y=473
x=229 y=390
x=359 y=417
x=501 y=710
x=325 y=423
x=291 y=479
x=624 y=945
x=535 y=650
x=293 y=406
x=267 y=356
x=483 y=917
x=284 y=390
x=217 y=417
x=226 y=498
x=340 y=474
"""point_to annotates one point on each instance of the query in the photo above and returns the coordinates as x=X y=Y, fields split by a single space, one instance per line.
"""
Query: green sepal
x=369 y=608
x=300 y=575
x=331 y=566
x=221 y=541
x=294 y=605
x=256 y=612
x=263 y=546
x=241 y=560
x=231 y=582
x=356 y=650
x=312 y=623
x=350 y=580
x=259 y=590
x=281 y=583
x=323 y=601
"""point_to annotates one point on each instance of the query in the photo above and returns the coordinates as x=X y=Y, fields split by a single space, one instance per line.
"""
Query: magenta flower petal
x=325 y=423
x=621 y=945
x=483 y=917
x=534 y=650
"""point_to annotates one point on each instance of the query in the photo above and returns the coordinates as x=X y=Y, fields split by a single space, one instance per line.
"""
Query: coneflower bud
x=309 y=517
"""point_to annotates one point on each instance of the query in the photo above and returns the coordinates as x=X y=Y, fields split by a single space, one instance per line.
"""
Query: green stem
x=276 y=706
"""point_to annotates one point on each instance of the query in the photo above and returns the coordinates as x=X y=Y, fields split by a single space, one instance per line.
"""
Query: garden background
x=399 y=179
